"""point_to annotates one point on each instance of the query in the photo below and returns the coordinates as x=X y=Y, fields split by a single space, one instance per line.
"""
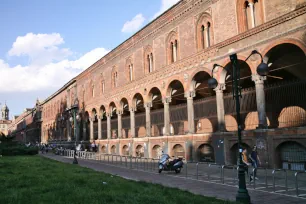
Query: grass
x=33 y=179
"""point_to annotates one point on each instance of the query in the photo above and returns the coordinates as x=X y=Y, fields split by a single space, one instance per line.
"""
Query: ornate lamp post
x=75 y=119
x=263 y=70
x=61 y=120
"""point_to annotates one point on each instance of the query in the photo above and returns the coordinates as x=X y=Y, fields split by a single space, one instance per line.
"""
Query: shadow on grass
x=34 y=179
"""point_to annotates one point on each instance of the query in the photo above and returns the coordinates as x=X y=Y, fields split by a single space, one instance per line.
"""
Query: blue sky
x=40 y=39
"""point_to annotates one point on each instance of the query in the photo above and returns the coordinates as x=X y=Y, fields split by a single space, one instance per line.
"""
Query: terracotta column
x=148 y=118
x=119 y=114
x=251 y=5
x=100 y=127
x=260 y=100
x=132 y=120
x=109 y=134
x=167 y=102
x=174 y=51
x=91 y=128
x=220 y=107
x=190 y=111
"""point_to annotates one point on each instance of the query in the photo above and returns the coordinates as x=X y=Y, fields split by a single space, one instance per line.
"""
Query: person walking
x=255 y=160
x=246 y=162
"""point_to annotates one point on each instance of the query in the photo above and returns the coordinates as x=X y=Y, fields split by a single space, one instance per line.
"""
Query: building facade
x=27 y=126
x=150 y=94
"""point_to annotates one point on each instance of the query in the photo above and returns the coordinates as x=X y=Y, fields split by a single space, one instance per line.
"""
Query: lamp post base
x=242 y=194
x=75 y=161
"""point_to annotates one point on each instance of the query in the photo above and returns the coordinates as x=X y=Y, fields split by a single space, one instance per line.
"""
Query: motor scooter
x=165 y=165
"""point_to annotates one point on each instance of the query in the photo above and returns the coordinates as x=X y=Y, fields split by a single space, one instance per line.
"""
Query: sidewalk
x=221 y=191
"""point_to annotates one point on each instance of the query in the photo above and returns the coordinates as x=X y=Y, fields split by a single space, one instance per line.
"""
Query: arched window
x=250 y=14
x=93 y=90
x=204 y=31
x=148 y=60
x=129 y=69
x=172 y=47
x=114 y=77
x=103 y=86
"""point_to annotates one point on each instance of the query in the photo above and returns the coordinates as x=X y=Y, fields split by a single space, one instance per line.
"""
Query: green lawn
x=33 y=179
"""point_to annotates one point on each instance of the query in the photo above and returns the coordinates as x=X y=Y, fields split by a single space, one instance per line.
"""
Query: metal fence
x=272 y=180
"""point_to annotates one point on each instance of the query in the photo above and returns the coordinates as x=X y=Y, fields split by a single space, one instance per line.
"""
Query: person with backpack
x=255 y=161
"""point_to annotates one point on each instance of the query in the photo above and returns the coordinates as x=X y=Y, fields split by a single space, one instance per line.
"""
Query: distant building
x=26 y=126
x=4 y=122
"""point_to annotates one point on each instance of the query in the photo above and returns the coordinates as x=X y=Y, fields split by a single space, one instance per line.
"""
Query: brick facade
x=187 y=39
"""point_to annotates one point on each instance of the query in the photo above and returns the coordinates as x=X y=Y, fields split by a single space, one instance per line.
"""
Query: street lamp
x=75 y=119
x=262 y=70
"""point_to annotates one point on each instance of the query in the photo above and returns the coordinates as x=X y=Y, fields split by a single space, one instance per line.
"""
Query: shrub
x=18 y=150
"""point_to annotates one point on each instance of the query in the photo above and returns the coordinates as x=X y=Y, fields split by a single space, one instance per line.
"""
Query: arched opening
x=292 y=116
x=234 y=152
x=291 y=155
x=248 y=96
x=287 y=76
x=113 y=149
x=125 y=118
x=125 y=150
x=114 y=120
x=157 y=111
x=156 y=151
x=95 y=123
x=251 y=121
x=205 y=153
x=205 y=107
x=103 y=122
x=139 y=151
x=103 y=150
x=140 y=117
x=178 y=108
x=178 y=151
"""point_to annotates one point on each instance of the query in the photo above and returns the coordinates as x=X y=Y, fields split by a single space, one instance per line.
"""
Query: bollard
x=222 y=174
x=296 y=183
x=266 y=177
x=197 y=170
x=186 y=170
x=254 y=183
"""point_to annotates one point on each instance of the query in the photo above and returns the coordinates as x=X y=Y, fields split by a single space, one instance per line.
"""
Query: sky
x=44 y=44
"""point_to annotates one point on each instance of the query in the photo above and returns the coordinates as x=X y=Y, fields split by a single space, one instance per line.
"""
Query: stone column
x=100 y=127
x=148 y=118
x=109 y=134
x=220 y=107
x=251 y=5
x=132 y=120
x=119 y=114
x=190 y=111
x=150 y=62
x=167 y=102
x=174 y=51
x=91 y=128
x=206 y=31
x=260 y=99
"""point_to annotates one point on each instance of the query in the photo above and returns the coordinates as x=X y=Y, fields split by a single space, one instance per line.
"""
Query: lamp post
x=75 y=119
x=61 y=120
x=242 y=195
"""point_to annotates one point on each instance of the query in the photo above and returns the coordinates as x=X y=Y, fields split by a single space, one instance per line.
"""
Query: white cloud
x=40 y=48
x=43 y=72
x=134 y=24
x=165 y=4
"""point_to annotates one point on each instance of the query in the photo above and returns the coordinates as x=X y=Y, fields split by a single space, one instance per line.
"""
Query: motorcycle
x=165 y=165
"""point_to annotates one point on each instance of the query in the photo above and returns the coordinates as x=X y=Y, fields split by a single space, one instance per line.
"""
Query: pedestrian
x=255 y=161
x=246 y=161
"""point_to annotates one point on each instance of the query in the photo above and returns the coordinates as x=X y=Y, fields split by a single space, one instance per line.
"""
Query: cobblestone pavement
x=205 y=188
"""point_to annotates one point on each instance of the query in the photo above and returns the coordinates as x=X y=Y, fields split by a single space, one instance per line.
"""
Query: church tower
x=5 y=112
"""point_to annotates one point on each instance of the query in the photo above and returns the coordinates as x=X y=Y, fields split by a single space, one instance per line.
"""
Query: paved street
x=206 y=188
